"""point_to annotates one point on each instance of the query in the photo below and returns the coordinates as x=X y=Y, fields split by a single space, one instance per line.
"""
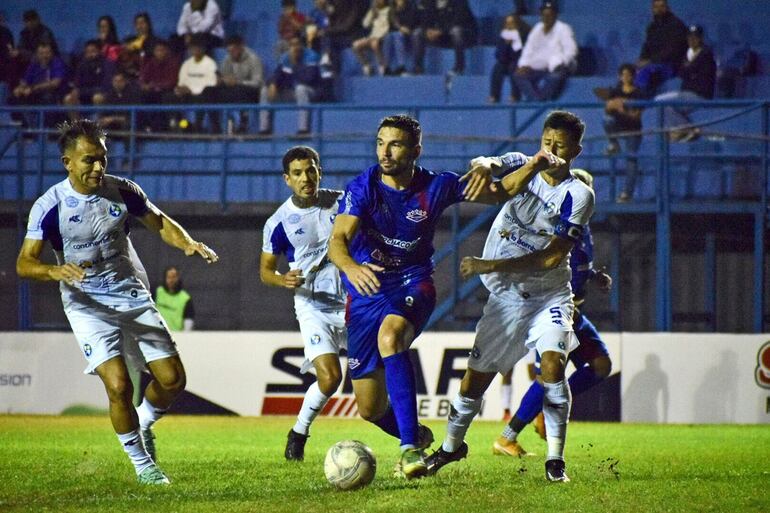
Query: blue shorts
x=591 y=344
x=364 y=315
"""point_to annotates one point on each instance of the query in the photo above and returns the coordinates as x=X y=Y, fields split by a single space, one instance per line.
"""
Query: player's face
x=560 y=143
x=396 y=152
x=86 y=163
x=303 y=177
x=172 y=279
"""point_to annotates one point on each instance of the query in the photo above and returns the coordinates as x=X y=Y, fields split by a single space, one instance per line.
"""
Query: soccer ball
x=350 y=464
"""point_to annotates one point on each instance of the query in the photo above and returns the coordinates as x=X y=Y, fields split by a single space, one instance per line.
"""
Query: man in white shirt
x=201 y=17
x=547 y=58
x=198 y=72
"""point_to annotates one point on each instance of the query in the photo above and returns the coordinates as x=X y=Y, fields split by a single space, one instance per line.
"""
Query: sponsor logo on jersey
x=353 y=363
x=417 y=215
x=409 y=300
x=315 y=339
x=102 y=240
x=87 y=350
x=300 y=231
x=294 y=219
x=114 y=210
x=75 y=219
x=71 y=201
x=762 y=372
x=407 y=245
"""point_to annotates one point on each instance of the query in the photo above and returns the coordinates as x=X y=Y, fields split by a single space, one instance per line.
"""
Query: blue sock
x=531 y=403
x=388 y=423
x=583 y=379
x=399 y=380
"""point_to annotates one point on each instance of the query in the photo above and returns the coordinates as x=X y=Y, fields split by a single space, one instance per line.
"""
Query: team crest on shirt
x=550 y=208
x=417 y=215
x=71 y=201
x=114 y=210
x=294 y=219
x=87 y=350
x=409 y=300
x=315 y=339
x=353 y=363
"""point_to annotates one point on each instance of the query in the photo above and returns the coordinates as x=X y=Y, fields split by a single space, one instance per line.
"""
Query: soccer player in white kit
x=300 y=230
x=104 y=287
x=525 y=267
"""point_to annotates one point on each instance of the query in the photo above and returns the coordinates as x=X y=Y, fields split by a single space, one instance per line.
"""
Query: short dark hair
x=30 y=15
x=300 y=153
x=93 y=42
x=567 y=121
x=198 y=39
x=626 y=66
x=235 y=39
x=406 y=123
x=70 y=131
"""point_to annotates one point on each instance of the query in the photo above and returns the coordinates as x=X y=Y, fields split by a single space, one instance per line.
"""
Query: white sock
x=460 y=417
x=148 y=414
x=505 y=396
x=556 y=406
x=312 y=405
x=134 y=447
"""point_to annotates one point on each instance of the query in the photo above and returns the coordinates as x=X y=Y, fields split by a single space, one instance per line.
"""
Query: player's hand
x=293 y=279
x=364 y=280
x=545 y=160
x=203 y=250
x=603 y=280
x=68 y=273
x=479 y=176
x=473 y=265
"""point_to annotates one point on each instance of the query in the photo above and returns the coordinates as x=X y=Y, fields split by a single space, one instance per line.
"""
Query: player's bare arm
x=602 y=280
x=547 y=258
x=174 y=235
x=362 y=277
x=268 y=273
x=28 y=265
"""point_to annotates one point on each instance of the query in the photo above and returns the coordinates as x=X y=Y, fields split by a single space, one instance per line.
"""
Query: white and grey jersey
x=302 y=234
x=526 y=224
x=92 y=231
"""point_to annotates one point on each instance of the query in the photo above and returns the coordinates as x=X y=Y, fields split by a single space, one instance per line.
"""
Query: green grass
x=229 y=465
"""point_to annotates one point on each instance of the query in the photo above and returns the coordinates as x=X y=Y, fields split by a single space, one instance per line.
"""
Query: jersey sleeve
x=575 y=212
x=451 y=189
x=354 y=201
x=43 y=223
x=274 y=239
x=512 y=161
x=137 y=203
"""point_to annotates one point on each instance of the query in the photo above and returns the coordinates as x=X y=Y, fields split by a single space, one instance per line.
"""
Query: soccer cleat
x=152 y=475
x=505 y=447
x=295 y=446
x=540 y=425
x=440 y=458
x=148 y=437
x=412 y=464
x=424 y=437
x=555 y=471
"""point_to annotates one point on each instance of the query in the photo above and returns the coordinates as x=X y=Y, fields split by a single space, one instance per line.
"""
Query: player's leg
x=506 y=390
x=591 y=358
x=169 y=379
x=529 y=407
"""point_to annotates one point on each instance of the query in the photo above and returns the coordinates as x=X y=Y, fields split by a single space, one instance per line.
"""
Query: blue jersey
x=581 y=261
x=396 y=227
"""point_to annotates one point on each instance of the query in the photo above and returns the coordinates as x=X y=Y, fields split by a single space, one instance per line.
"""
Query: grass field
x=229 y=465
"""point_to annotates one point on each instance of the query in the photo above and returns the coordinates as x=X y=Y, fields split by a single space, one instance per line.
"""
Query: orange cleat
x=505 y=447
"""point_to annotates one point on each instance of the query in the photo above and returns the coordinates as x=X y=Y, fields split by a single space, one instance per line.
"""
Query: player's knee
x=389 y=343
x=119 y=389
x=552 y=366
x=371 y=412
x=173 y=382
x=601 y=366
x=329 y=381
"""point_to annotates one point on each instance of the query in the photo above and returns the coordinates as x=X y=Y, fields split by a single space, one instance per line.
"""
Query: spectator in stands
x=699 y=74
x=377 y=20
x=620 y=117
x=158 y=77
x=174 y=303
x=512 y=38
x=240 y=82
x=108 y=37
x=291 y=24
x=547 y=58
x=204 y=18
x=297 y=78
x=121 y=92
x=664 y=48
x=345 y=17
x=6 y=47
x=43 y=82
x=137 y=47
x=317 y=25
x=197 y=73
x=33 y=34
x=445 y=23
x=92 y=76
x=403 y=20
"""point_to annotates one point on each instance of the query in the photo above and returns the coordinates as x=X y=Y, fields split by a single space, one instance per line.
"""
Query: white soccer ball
x=350 y=464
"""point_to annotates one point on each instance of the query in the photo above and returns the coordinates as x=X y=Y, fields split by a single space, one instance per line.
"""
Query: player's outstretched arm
x=517 y=182
x=547 y=258
x=268 y=273
x=174 y=235
x=28 y=265
x=362 y=277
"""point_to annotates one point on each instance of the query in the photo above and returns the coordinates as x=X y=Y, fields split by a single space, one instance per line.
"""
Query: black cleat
x=440 y=458
x=424 y=436
x=555 y=471
x=295 y=446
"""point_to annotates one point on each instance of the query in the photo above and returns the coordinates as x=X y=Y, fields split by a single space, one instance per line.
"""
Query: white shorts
x=139 y=335
x=508 y=329
x=322 y=333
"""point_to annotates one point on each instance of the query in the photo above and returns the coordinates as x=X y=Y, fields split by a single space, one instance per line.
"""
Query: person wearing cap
x=698 y=72
x=664 y=48
x=547 y=58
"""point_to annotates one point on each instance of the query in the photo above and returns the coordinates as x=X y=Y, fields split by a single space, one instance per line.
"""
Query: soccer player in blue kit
x=591 y=359
x=382 y=242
